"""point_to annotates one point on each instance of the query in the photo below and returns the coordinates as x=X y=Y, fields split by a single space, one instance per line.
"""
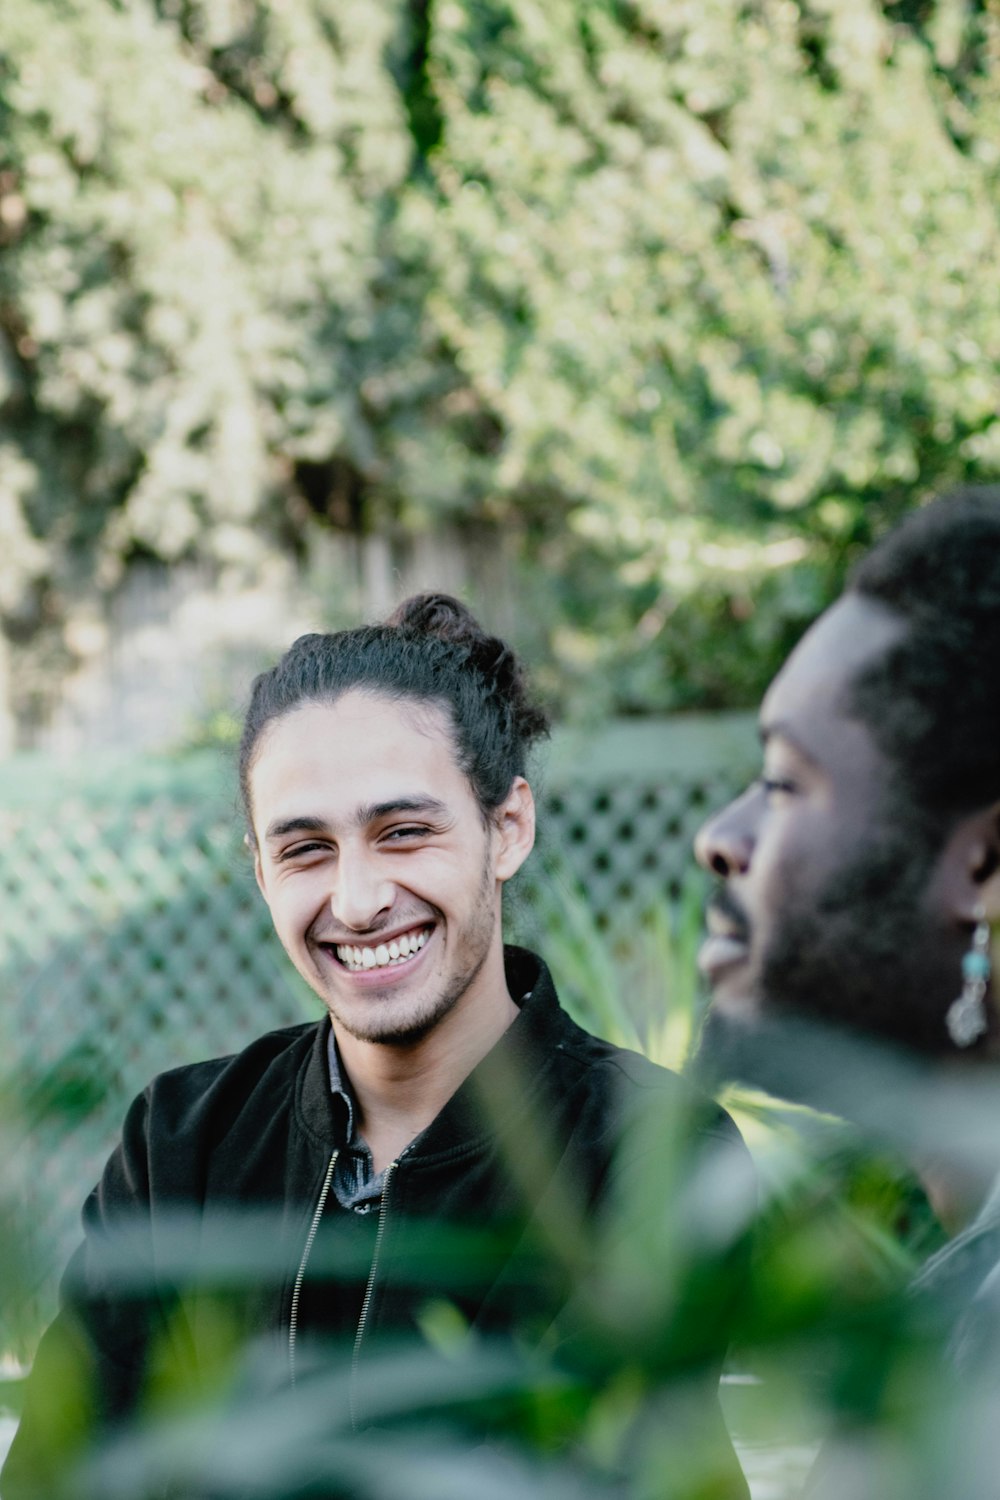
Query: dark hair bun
x=448 y=619
x=440 y=615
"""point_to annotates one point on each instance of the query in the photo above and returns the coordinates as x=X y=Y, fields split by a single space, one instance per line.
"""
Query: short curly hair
x=933 y=700
x=430 y=650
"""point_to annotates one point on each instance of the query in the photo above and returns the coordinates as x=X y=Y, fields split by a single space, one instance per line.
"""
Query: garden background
x=633 y=321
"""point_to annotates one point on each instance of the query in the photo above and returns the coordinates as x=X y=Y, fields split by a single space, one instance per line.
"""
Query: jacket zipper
x=383 y=1212
x=293 y=1321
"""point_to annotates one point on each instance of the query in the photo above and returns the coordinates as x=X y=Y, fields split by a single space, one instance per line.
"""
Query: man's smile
x=389 y=953
x=728 y=941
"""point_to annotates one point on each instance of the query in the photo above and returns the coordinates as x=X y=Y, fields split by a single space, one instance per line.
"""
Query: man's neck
x=399 y=1090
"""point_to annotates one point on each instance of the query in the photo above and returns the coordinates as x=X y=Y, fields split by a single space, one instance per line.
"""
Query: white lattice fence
x=132 y=937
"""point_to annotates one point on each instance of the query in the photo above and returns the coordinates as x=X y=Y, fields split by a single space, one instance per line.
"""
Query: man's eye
x=774 y=785
x=301 y=849
x=410 y=831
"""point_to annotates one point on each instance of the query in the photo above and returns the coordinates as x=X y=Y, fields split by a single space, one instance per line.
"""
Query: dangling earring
x=966 y=1018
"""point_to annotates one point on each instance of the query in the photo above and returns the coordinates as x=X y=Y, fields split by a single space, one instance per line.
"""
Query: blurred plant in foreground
x=636 y=985
x=830 y=1343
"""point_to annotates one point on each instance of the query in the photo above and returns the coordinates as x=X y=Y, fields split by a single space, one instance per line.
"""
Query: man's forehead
x=847 y=639
x=341 y=759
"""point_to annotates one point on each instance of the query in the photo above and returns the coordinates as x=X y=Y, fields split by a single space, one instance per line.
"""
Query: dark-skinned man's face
x=827 y=905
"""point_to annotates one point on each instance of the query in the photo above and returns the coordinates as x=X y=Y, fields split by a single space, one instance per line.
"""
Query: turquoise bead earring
x=966 y=1018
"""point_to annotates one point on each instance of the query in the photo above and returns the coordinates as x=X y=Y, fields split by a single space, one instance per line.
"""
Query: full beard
x=864 y=957
x=866 y=952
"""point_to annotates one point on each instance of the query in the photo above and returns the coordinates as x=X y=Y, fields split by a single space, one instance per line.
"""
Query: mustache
x=723 y=905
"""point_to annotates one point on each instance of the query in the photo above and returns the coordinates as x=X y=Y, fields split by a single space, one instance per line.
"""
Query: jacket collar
x=507 y=1078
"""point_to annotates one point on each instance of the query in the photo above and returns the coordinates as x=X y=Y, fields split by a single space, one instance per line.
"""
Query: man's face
x=382 y=878
x=827 y=905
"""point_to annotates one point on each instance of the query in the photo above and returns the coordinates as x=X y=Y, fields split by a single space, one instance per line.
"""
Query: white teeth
x=384 y=954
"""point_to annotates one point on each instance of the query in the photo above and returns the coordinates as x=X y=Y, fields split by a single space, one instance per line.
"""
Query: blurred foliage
x=638 y=987
x=687 y=301
x=830 y=1348
x=827 y=1340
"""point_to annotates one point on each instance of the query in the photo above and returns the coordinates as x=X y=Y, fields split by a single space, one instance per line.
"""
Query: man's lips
x=728 y=941
x=718 y=954
x=382 y=954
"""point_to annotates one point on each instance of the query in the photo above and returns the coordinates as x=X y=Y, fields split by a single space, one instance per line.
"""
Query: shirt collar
x=340 y=1088
x=341 y=1091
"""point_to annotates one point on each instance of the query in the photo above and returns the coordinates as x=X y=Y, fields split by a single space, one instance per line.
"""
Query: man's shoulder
x=640 y=1084
x=614 y=1076
x=635 y=1070
x=640 y=1070
x=257 y=1056
x=269 y=1064
x=206 y=1119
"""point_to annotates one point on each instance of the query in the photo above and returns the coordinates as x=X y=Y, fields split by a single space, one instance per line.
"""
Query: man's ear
x=987 y=867
x=970 y=866
x=514 y=820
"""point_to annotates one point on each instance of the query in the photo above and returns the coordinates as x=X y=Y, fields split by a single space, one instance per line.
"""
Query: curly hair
x=933 y=701
x=432 y=650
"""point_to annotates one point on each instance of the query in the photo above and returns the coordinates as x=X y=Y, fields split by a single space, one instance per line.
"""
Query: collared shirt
x=355 y=1183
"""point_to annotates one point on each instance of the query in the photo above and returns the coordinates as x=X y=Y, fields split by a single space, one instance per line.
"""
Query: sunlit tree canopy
x=686 y=300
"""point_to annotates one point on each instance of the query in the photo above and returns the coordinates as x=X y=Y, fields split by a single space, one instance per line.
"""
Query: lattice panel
x=628 y=843
x=133 y=938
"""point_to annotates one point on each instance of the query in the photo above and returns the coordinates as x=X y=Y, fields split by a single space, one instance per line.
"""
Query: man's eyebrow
x=284 y=826
x=780 y=729
x=371 y=813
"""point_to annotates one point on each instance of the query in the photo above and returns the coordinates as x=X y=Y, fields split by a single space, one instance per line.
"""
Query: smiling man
x=445 y=1134
x=382 y=875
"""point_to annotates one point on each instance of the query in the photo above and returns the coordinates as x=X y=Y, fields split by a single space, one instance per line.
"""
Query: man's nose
x=361 y=892
x=724 y=845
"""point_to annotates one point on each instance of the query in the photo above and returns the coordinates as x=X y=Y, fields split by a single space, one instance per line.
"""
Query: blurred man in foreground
x=850 y=947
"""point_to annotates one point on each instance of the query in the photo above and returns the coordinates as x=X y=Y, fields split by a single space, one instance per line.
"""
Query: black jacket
x=222 y=1181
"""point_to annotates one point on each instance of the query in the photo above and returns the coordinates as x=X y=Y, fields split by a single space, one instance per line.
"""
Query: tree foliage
x=689 y=300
